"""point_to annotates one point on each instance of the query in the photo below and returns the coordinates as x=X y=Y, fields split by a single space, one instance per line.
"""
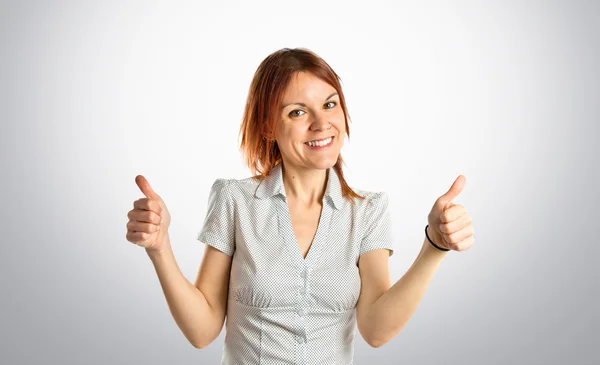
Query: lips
x=319 y=140
x=317 y=147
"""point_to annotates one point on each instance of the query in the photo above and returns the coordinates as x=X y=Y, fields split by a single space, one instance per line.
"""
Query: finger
x=135 y=226
x=147 y=204
x=453 y=213
x=459 y=236
x=454 y=190
x=465 y=244
x=144 y=216
x=456 y=225
x=135 y=237
x=145 y=187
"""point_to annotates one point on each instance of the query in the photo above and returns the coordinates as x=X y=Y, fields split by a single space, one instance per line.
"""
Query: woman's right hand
x=149 y=219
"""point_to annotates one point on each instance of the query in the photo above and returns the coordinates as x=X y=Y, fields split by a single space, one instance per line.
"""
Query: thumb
x=145 y=187
x=454 y=190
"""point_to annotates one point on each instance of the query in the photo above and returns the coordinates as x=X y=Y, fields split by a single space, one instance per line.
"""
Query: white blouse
x=281 y=307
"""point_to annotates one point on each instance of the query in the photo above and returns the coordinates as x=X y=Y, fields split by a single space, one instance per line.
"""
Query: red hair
x=262 y=111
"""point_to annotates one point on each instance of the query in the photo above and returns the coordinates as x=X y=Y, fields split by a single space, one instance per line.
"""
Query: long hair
x=258 y=145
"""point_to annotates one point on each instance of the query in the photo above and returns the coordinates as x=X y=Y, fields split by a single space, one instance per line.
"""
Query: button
x=302 y=290
x=300 y=339
x=303 y=274
x=300 y=312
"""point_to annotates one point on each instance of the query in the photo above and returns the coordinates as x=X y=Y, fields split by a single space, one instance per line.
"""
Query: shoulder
x=371 y=200
x=235 y=183
x=221 y=188
x=249 y=183
x=372 y=196
x=237 y=189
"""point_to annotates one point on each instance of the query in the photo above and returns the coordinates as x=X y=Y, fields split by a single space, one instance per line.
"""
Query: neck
x=305 y=186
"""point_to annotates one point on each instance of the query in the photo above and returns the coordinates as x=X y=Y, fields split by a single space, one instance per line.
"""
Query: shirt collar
x=273 y=185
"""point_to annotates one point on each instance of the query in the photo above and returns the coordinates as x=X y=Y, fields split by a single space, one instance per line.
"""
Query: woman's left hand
x=449 y=224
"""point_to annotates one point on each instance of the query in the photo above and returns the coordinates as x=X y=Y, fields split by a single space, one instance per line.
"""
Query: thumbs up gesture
x=149 y=219
x=449 y=224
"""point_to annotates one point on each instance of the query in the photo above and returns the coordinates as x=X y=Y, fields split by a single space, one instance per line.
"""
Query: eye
x=331 y=102
x=293 y=113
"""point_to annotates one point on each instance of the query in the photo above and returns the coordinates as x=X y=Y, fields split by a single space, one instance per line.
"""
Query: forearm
x=187 y=304
x=390 y=312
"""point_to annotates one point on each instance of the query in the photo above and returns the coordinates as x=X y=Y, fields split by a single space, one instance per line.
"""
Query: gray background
x=505 y=93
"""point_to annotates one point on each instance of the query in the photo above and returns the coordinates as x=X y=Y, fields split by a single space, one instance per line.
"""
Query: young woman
x=295 y=257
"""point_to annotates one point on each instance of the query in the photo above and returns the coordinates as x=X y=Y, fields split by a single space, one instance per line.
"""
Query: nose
x=320 y=122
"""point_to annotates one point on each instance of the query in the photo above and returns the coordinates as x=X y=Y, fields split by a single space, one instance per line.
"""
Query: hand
x=449 y=224
x=149 y=219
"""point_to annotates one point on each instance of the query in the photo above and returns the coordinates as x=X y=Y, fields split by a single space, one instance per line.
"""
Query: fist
x=149 y=219
x=449 y=224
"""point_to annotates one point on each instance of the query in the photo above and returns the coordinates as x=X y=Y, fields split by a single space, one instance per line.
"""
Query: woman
x=295 y=257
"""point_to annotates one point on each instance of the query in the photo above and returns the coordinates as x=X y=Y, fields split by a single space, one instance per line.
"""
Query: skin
x=304 y=172
x=382 y=310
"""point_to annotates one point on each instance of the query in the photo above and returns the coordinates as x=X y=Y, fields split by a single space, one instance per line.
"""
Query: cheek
x=340 y=125
x=290 y=135
x=339 y=118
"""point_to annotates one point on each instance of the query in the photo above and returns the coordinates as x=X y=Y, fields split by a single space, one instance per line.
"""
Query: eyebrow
x=304 y=105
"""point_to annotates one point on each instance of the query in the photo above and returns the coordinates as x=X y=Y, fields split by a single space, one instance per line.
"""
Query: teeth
x=320 y=143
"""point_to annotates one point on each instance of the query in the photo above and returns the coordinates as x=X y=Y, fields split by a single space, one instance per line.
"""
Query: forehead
x=306 y=86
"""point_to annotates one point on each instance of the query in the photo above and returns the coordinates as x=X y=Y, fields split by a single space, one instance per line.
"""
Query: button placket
x=303 y=289
x=301 y=305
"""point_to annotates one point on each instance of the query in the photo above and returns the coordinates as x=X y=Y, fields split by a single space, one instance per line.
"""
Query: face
x=310 y=111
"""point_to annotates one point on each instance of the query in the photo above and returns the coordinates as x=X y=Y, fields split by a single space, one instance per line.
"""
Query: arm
x=390 y=312
x=199 y=311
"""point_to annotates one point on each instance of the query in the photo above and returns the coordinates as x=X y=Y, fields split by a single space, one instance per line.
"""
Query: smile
x=320 y=144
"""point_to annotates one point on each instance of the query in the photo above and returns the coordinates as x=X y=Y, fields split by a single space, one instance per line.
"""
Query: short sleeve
x=378 y=233
x=218 y=230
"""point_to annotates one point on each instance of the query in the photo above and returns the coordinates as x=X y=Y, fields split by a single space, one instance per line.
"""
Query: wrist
x=163 y=249
x=434 y=240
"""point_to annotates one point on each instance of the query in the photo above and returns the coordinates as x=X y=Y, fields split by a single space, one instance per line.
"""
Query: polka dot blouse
x=283 y=308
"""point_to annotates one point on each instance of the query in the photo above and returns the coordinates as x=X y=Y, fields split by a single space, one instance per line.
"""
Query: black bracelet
x=430 y=241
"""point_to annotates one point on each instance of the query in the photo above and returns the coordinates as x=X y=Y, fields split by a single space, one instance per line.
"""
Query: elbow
x=204 y=342
x=371 y=340
x=198 y=345
x=381 y=338
x=372 y=336
x=375 y=344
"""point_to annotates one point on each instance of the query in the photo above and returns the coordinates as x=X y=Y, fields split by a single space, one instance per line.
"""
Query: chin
x=325 y=164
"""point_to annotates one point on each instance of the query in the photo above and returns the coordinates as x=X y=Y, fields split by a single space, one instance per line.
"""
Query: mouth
x=320 y=144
